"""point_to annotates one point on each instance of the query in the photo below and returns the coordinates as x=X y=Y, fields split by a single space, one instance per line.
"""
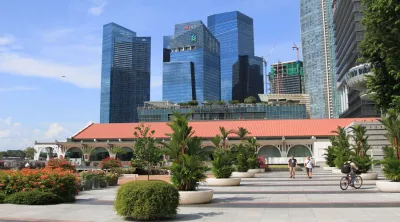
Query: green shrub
x=222 y=164
x=2 y=197
x=34 y=197
x=147 y=200
x=252 y=161
x=187 y=173
x=242 y=157
x=330 y=156
x=391 y=164
x=364 y=163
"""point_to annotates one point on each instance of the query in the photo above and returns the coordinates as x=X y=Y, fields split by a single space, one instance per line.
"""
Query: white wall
x=320 y=147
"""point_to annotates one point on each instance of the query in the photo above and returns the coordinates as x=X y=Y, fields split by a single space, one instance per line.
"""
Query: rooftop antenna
x=266 y=75
x=295 y=47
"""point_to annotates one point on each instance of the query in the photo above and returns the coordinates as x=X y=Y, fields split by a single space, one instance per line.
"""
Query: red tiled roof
x=208 y=129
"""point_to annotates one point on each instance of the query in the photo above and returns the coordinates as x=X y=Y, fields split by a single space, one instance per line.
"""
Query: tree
x=360 y=140
x=252 y=144
x=193 y=103
x=381 y=49
x=224 y=135
x=216 y=141
x=250 y=99
x=30 y=152
x=242 y=133
x=341 y=146
x=233 y=102
x=391 y=122
x=146 y=150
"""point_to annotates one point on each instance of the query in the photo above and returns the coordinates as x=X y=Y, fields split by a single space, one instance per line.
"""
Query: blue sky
x=42 y=40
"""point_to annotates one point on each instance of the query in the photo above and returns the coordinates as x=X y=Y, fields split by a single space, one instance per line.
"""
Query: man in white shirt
x=309 y=166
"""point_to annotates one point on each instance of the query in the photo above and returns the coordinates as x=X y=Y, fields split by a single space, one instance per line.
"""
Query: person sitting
x=353 y=169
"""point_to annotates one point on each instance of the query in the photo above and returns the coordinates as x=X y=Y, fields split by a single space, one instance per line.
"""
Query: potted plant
x=111 y=179
x=87 y=181
x=87 y=162
x=252 y=159
x=242 y=164
x=188 y=168
x=330 y=158
x=222 y=167
x=261 y=163
x=391 y=162
x=341 y=148
x=360 y=148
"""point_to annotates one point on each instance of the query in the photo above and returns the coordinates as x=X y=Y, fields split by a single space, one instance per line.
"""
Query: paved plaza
x=271 y=196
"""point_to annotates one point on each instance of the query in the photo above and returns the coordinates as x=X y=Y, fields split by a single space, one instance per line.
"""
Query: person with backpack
x=350 y=168
x=309 y=166
x=292 y=164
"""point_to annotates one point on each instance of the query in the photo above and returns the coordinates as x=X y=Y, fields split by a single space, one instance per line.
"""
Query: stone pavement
x=271 y=196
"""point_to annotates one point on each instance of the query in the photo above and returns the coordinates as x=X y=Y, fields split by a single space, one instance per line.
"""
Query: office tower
x=193 y=72
x=349 y=32
x=235 y=34
x=316 y=35
x=167 y=48
x=125 y=74
x=287 y=78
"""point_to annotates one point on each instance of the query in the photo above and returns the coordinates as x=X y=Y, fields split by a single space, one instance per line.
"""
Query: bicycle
x=345 y=182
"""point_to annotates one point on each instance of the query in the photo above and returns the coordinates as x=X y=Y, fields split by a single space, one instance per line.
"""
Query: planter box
x=262 y=170
x=254 y=171
x=195 y=197
x=369 y=176
x=243 y=174
x=96 y=184
x=87 y=184
x=223 y=182
x=388 y=186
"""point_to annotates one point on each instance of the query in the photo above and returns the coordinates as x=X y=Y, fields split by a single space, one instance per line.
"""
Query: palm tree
x=242 y=133
x=216 y=141
x=392 y=124
x=341 y=146
x=224 y=135
x=360 y=145
x=252 y=144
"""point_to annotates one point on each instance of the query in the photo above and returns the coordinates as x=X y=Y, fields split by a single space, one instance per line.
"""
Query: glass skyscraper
x=317 y=39
x=125 y=74
x=235 y=33
x=192 y=69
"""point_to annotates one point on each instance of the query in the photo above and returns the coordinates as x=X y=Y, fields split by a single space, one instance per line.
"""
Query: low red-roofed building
x=278 y=139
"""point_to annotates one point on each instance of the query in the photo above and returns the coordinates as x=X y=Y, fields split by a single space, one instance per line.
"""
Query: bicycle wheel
x=358 y=182
x=344 y=183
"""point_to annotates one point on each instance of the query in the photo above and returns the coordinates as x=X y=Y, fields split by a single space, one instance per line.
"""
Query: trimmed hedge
x=147 y=200
x=34 y=197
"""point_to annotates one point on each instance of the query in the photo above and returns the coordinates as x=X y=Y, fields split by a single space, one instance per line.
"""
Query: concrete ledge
x=254 y=171
x=388 y=186
x=369 y=176
x=223 y=182
x=195 y=197
x=243 y=174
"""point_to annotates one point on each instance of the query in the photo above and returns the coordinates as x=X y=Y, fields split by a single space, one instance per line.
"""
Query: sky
x=43 y=40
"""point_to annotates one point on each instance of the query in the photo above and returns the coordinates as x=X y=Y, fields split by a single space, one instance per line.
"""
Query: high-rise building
x=287 y=78
x=235 y=33
x=316 y=34
x=125 y=74
x=193 y=69
x=349 y=32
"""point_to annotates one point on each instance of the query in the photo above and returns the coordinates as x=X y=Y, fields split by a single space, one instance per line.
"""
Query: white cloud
x=57 y=34
x=82 y=76
x=6 y=40
x=156 y=81
x=5 y=134
x=97 y=7
x=16 y=88
x=56 y=130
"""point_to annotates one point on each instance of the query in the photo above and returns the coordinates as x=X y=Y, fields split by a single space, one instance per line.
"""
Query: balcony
x=356 y=77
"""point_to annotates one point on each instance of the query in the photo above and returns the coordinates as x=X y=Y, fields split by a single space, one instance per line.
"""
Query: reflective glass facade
x=217 y=112
x=193 y=42
x=235 y=33
x=320 y=82
x=125 y=74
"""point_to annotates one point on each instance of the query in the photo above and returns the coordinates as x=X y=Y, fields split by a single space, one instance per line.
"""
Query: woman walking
x=309 y=166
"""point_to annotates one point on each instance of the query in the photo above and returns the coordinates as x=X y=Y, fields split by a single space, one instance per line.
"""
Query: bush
x=364 y=163
x=330 y=156
x=252 y=161
x=242 y=158
x=60 y=163
x=261 y=162
x=391 y=164
x=187 y=173
x=57 y=181
x=222 y=164
x=33 y=197
x=2 y=197
x=147 y=200
x=109 y=163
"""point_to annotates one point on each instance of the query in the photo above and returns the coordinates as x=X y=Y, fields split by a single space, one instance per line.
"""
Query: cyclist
x=352 y=172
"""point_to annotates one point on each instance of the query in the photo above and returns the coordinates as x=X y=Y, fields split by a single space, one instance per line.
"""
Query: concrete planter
x=254 y=171
x=243 y=174
x=337 y=171
x=369 y=176
x=223 y=182
x=262 y=170
x=329 y=168
x=195 y=197
x=388 y=186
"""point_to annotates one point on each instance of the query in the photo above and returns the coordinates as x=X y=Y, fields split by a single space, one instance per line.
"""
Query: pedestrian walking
x=309 y=166
x=292 y=164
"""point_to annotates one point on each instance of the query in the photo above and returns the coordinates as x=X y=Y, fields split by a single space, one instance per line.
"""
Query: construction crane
x=266 y=74
x=295 y=47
